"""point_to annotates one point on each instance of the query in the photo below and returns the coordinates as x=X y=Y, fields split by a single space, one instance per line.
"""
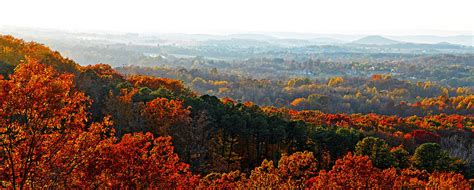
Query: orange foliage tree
x=448 y=181
x=265 y=176
x=298 y=167
x=292 y=172
x=140 y=161
x=164 y=113
x=351 y=172
x=176 y=86
x=40 y=115
x=46 y=140
x=231 y=180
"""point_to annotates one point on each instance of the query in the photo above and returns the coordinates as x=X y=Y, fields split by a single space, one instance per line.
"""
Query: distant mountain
x=438 y=46
x=375 y=40
x=467 y=40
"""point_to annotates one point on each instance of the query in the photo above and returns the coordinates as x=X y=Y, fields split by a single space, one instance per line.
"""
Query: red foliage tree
x=41 y=116
x=448 y=181
x=422 y=136
x=164 y=113
x=46 y=141
x=265 y=176
x=296 y=168
x=410 y=178
x=176 y=86
x=231 y=180
x=142 y=161
x=351 y=172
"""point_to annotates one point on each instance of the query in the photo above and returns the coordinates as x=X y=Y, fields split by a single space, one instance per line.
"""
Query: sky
x=386 y=17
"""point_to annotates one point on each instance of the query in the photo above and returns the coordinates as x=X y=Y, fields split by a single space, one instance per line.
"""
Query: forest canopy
x=63 y=125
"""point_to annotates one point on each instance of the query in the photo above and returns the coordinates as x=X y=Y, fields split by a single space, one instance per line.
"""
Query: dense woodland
x=63 y=125
x=379 y=93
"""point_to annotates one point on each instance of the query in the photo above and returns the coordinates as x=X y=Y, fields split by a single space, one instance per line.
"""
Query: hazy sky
x=390 y=17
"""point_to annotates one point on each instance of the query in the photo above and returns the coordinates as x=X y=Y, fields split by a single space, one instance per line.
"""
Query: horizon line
x=233 y=32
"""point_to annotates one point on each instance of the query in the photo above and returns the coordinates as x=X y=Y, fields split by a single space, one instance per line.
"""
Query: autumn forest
x=69 y=126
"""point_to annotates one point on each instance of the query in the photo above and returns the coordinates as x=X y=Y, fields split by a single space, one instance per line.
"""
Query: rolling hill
x=375 y=40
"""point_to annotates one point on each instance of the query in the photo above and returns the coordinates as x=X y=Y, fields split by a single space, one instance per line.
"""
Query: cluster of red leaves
x=349 y=172
x=227 y=100
x=297 y=168
x=46 y=141
x=266 y=175
x=140 y=161
x=164 y=113
x=39 y=115
x=422 y=136
x=231 y=180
